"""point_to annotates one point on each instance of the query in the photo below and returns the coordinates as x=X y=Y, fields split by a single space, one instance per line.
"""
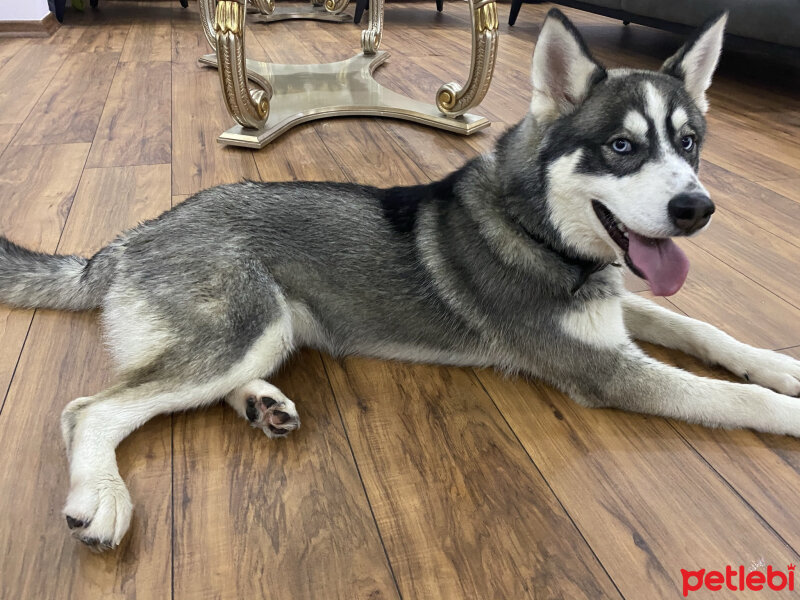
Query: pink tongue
x=662 y=263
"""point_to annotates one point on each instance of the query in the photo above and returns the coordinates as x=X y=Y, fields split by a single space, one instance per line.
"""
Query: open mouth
x=659 y=261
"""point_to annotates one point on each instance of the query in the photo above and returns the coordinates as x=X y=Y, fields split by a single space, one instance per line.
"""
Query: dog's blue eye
x=622 y=146
x=687 y=142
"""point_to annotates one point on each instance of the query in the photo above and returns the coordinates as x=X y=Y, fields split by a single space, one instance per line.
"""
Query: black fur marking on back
x=401 y=204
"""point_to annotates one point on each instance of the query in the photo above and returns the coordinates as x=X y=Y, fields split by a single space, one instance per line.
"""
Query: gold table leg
x=293 y=94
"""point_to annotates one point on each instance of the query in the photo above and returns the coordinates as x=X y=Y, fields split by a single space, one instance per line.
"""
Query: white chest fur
x=599 y=323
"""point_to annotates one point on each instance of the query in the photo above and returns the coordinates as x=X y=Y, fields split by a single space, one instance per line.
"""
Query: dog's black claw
x=251 y=411
x=73 y=523
x=746 y=376
x=269 y=402
x=96 y=544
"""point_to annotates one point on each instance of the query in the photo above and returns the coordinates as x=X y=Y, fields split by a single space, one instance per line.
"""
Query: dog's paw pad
x=276 y=417
x=74 y=523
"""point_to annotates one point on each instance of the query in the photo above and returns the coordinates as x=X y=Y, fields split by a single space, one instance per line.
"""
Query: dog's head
x=621 y=149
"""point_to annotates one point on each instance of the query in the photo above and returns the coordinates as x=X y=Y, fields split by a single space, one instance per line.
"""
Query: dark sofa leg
x=60 y=5
x=439 y=5
x=515 y=6
x=361 y=6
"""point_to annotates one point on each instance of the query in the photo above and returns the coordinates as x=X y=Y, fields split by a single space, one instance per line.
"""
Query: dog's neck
x=522 y=187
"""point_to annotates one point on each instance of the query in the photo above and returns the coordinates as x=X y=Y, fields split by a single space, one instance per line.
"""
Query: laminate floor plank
x=34 y=208
x=757 y=254
x=198 y=117
x=766 y=204
x=10 y=47
x=130 y=131
x=461 y=510
x=646 y=504
x=790 y=188
x=150 y=41
x=719 y=294
x=70 y=108
x=7 y=132
x=24 y=77
x=274 y=519
x=63 y=359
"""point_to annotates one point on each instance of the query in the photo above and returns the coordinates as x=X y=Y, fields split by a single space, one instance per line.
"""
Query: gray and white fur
x=508 y=262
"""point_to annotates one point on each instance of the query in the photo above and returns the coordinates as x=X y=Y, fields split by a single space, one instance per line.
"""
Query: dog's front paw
x=272 y=412
x=773 y=370
x=98 y=511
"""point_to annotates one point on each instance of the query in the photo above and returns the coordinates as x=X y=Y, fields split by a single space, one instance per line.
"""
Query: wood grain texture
x=759 y=255
x=198 y=160
x=790 y=188
x=24 y=77
x=288 y=516
x=751 y=462
x=64 y=359
x=300 y=157
x=14 y=324
x=7 y=132
x=754 y=154
x=36 y=200
x=719 y=294
x=462 y=511
x=648 y=516
x=102 y=35
x=149 y=40
x=135 y=125
x=188 y=40
x=34 y=209
x=70 y=107
x=765 y=204
x=9 y=47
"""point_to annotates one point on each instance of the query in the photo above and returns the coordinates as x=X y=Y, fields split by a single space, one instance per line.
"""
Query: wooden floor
x=406 y=481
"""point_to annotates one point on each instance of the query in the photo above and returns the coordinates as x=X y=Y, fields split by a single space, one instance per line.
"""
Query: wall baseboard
x=44 y=28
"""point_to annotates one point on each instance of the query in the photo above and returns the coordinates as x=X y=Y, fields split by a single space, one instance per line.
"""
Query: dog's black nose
x=690 y=212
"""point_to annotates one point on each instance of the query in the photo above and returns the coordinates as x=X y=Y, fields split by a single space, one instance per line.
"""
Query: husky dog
x=508 y=262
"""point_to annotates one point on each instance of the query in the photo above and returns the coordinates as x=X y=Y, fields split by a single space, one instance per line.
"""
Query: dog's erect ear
x=563 y=70
x=697 y=59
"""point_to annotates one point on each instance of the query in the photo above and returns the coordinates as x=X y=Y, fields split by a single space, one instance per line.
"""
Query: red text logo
x=736 y=580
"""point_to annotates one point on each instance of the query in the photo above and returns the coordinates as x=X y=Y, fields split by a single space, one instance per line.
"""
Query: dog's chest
x=597 y=323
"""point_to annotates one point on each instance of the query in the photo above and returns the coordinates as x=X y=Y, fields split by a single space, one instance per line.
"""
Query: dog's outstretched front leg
x=649 y=322
x=628 y=379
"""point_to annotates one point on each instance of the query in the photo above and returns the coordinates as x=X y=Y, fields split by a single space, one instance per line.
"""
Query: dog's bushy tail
x=31 y=279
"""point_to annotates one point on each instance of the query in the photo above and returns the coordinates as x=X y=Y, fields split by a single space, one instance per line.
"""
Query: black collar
x=586 y=267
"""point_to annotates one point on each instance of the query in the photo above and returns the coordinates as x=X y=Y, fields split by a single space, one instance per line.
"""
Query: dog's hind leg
x=98 y=508
x=649 y=322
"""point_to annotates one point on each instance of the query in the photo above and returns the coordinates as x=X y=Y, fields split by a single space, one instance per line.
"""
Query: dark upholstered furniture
x=762 y=24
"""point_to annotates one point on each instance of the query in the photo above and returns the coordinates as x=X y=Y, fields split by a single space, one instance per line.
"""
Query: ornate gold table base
x=302 y=93
x=308 y=11
x=286 y=95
